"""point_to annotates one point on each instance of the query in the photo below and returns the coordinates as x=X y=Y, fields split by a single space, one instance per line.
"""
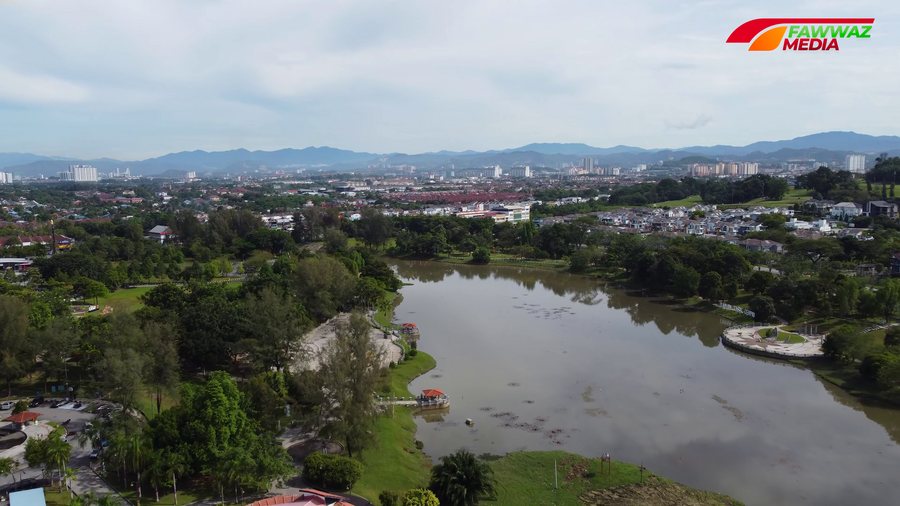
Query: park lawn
x=790 y=198
x=686 y=202
x=127 y=299
x=528 y=478
x=56 y=498
x=395 y=463
x=146 y=403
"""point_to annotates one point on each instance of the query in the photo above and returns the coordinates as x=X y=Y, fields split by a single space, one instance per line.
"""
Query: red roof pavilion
x=24 y=416
x=432 y=392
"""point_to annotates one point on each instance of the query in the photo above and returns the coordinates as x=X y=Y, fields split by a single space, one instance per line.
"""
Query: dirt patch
x=595 y=412
x=653 y=492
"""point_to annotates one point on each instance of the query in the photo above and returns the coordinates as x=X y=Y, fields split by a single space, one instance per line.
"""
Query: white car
x=8 y=405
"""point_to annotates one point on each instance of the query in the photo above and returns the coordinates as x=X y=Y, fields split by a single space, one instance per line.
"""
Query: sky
x=137 y=79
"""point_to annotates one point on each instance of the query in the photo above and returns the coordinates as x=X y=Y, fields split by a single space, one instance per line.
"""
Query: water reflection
x=544 y=360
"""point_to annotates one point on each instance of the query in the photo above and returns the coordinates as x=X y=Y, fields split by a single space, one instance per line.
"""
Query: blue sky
x=135 y=79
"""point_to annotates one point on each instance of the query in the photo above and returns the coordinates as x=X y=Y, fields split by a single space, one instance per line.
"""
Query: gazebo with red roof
x=24 y=416
x=432 y=393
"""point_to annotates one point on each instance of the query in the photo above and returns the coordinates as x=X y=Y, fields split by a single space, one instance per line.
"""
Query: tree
x=375 y=228
x=8 y=467
x=276 y=328
x=57 y=453
x=335 y=240
x=351 y=365
x=71 y=475
x=123 y=374
x=814 y=250
x=710 y=286
x=20 y=407
x=481 y=255
x=763 y=307
x=759 y=282
x=460 y=479
x=581 y=260
x=419 y=497
x=888 y=297
x=685 y=282
x=161 y=370
x=13 y=326
x=776 y=188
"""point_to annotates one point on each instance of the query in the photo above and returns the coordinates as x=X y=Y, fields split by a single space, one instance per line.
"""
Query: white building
x=845 y=210
x=6 y=178
x=855 y=163
x=520 y=171
x=81 y=173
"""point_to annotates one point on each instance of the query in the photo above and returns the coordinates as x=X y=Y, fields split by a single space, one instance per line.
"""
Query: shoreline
x=518 y=460
x=700 y=305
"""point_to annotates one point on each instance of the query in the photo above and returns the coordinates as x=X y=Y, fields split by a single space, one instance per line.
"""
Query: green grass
x=528 y=478
x=790 y=198
x=188 y=492
x=687 y=202
x=395 y=464
x=384 y=318
x=56 y=498
x=126 y=299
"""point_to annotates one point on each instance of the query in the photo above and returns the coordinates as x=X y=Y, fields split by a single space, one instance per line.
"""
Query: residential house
x=846 y=210
x=161 y=234
x=866 y=270
x=881 y=208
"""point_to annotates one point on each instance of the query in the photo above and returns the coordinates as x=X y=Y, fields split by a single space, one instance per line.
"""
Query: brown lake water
x=550 y=361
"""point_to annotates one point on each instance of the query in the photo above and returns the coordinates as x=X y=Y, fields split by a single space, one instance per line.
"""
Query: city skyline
x=144 y=79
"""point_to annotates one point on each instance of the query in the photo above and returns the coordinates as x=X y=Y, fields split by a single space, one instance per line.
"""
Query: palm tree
x=70 y=476
x=175 y=465
x=138 y=447
x=157 y=471
x=461 y=478
x=58 y=453
x=91 y=435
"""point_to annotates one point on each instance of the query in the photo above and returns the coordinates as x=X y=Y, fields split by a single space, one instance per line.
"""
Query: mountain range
x=823 y=146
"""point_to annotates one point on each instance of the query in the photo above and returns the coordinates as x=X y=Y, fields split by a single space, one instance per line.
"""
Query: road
x=85 y=480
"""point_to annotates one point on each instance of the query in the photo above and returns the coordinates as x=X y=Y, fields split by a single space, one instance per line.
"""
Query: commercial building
x=855 y=163
x=80 y=173
x=6 y=178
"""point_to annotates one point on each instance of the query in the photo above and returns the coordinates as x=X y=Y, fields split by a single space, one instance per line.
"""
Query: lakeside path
x=747 y=338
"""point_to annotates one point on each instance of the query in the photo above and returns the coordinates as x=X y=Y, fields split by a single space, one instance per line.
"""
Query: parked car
x=95 y=453
x=55 y=404
x=8 y=405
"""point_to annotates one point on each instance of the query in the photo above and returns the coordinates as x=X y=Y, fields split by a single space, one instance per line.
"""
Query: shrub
x=413 y=352
x=481 y=256
x=419 y=444
x=387 y=498
x=332 y=470
x=420 y=497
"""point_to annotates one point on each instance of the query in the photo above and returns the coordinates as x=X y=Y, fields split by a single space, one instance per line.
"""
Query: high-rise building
x=855 y=163
x=81 y=173
x=6 y=178
x=521 y=171
x=588 y=164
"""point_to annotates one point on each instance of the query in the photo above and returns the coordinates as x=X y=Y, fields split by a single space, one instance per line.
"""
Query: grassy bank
x=128 y=299
x=528 y=478
x=396 y=464
x=384 y=318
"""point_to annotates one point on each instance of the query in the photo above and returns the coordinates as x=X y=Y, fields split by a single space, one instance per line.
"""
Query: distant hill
x=835 y=141
x=823 y=147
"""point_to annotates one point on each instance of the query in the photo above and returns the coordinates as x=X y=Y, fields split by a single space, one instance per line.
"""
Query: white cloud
x=148 y=77
x=20 y=88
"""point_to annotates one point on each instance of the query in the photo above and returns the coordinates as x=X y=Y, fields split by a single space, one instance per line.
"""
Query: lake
x=542 y=360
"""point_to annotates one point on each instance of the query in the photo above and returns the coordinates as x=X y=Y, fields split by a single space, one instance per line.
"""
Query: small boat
x=469 y=421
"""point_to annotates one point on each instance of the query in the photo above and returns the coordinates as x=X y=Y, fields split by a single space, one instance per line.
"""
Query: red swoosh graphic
x=750 y=29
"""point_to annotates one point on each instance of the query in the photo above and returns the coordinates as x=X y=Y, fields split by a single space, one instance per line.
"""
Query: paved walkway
x=748 y=338
x=321 y=336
